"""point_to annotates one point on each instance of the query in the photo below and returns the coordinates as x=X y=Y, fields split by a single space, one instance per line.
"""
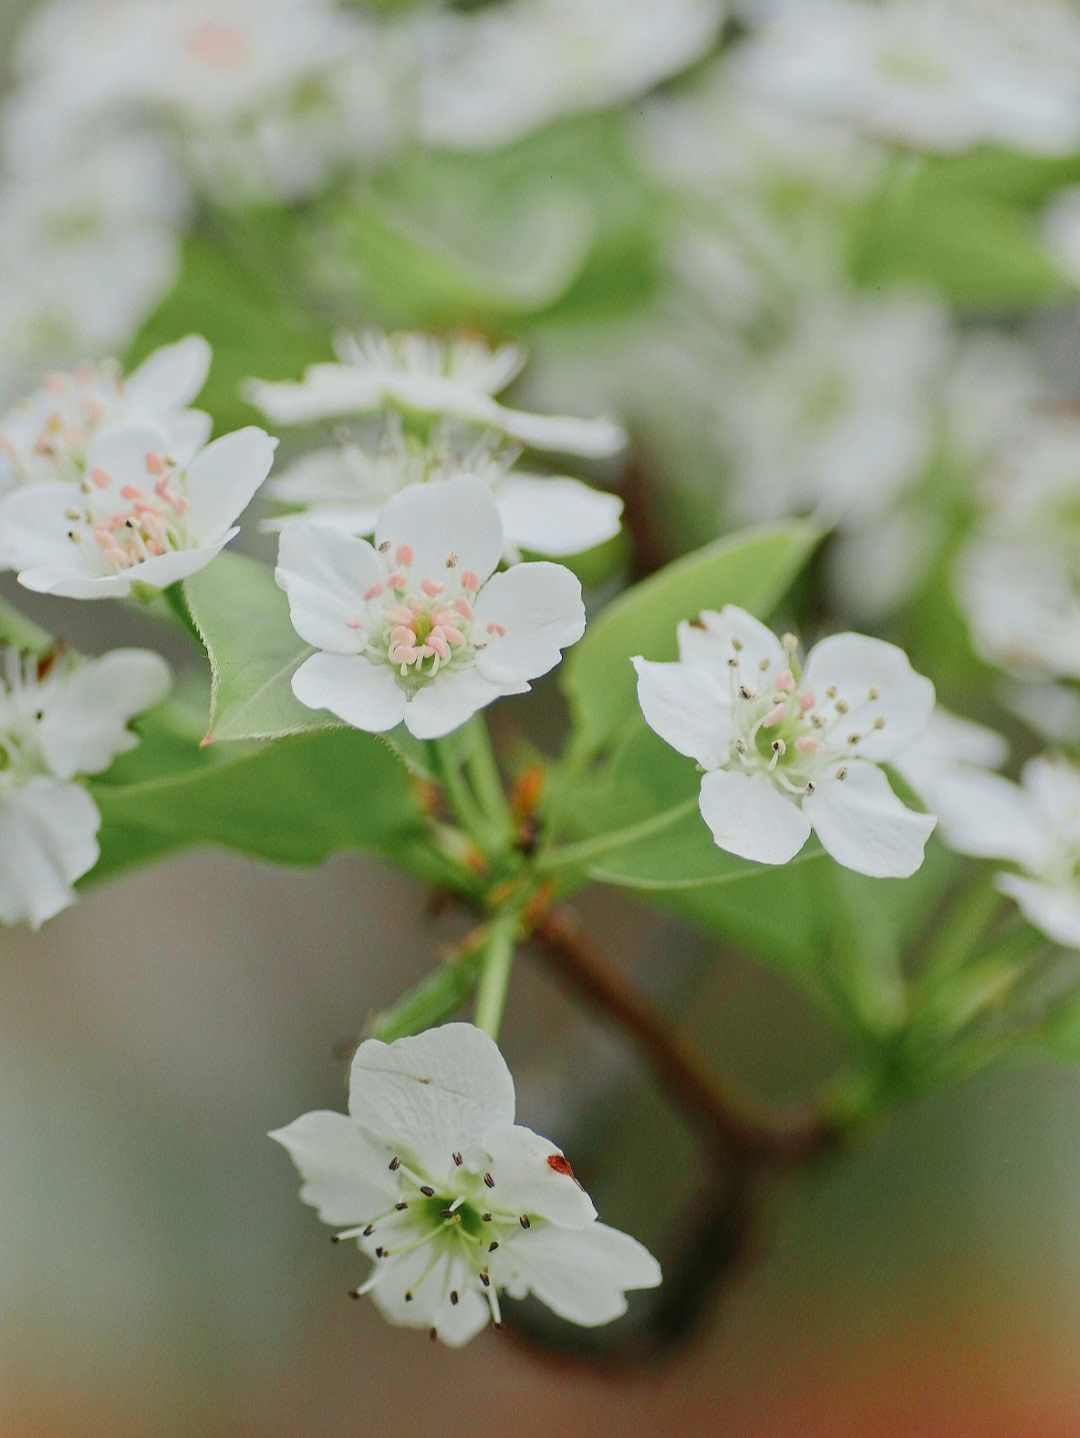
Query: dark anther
x=524 y=1221
x=492 y=1247
x=489 y=1180
x=457 y=1158
x=369 y=1230
x=400 y=1206
x=453 y=1295
x=395 y=1163
x=427 y=1190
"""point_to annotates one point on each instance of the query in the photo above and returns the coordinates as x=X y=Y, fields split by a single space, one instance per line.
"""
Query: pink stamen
x=785 y=682
x=807 y=700
x=131 y=491
x=101 y=478
x=92 y=408
x=807 y=744
x=397 y=580
x=494 y=627
x=438 y=643
x=470 y=579
x=463 y=607
x=400 y=614
x=373 y=591
x=430 y=587
x=154 y=462
x=452 y=633
x=775 y=714
x=404 y=554
x=56 y=383
x=222 y=47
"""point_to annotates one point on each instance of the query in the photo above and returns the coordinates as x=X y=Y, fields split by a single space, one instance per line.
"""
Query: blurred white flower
x=138 y=515
x=452 y=378
x=418 y=627
x=950 y=746
x=1061 y=230
x=1018 y=579
x=837 y=417
x=345 y=488
x=46 y=435
x=91 y=245
x=1034 y=824
x=451 y=1199
x=787 y=750
x=924 y=73
x=60 y=718
x=488 y=78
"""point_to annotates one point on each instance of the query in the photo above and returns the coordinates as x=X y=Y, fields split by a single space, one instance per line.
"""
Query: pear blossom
x=46 y=435
x=787 y=748
x=60 y=717
x=451 y=1199
x=346 y=487
x=417 y=627
x=1035 y=825
x=139 y=514
x=488 y=78
x=918 y=72
x=456 y=379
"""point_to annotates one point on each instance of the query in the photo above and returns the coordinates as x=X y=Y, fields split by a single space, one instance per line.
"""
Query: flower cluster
x=451 y=1200
x=60 y=717
x=439 y=418
x=787 y=749
x=114 y=484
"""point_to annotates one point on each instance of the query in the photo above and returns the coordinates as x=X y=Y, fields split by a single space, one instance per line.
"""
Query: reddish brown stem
x=731 y=1121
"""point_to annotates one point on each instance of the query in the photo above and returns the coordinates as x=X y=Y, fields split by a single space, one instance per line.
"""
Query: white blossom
x=488 y=78
x=59 y=718
x=453 y=1201
x=456 y=379
x=1018 y=578
x=923 y=73
x=787 y=749
x=139 y=513
x=345 y=487
x=47 y=434
x=1035 y=825
x=417 y=627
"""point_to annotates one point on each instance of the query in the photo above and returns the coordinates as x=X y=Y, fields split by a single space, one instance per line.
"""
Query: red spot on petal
x=559 y=1164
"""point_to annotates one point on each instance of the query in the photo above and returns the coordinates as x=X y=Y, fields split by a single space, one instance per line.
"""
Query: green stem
x=567 y=855
x=955 y=935
x=429 y=1001
x=447 y=761
x=479 y=759
x=496 y=961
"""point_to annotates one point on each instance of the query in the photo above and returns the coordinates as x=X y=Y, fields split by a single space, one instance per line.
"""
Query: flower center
x=783 y=730
x=46 y=437
x=420 y=624
x=128 y=523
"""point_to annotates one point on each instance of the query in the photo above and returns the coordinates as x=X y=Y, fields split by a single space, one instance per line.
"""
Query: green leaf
x=243 y=619
x=752 y=569
x=294 y=801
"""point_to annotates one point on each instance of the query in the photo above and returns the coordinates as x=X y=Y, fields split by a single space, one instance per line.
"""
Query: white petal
x=316 y=478
x=85 y=723
x=325 y=390
x=750 y=817
x=525 y=1182
x=325 y=575
x=711 y=642
x=430 y=1305
x=540 y=607
x=365 y=695
x=555 y=516
x=444 y=517
x=855 y=663
x=582 y=1274
x=687 y=707
x=47 y=839
x=223 y=478
x=448 y=700
x=121 y=451
x=429 y=1095
x=558 y=434
x=345 y=1172
x=186 y=433
x=985 y=815
x=169 y=378
x=1055 y=786
x=865 y=827
x=1053 y=909
x=34 y=539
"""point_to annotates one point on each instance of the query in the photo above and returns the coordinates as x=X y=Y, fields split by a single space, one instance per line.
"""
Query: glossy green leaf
x=243 y=619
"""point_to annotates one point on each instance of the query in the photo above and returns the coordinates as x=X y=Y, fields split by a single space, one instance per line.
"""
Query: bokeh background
x=819 y=256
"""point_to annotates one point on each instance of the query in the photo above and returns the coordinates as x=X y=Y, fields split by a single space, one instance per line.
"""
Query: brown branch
x=730 y=1120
